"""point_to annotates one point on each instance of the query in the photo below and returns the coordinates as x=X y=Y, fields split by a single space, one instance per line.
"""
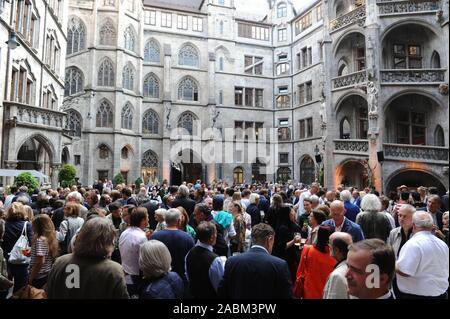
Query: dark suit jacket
x=151 y=208
x=187 y=203
x=256 y=274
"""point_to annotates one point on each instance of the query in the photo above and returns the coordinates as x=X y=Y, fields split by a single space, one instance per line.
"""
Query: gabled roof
x=185 y=5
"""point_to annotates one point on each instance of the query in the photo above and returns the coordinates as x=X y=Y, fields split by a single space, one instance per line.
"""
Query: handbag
x=21 y=250
x=30 y=292
x=299 y=286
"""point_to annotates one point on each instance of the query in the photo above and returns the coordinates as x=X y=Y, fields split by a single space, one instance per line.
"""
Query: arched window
x=187 y=122
x=435 y=60
x=282 y=10
x=127 y=117
x=188 y=90
x=150 y=122
x=151 y=86
x=124 y=152
x=76 y=35
x=103 y=151
x=129 y=39
x=307 y=171
x=104 y=115
x=128 y=77
x=221 y=64
x=238 y=175
x=188 y=56
x=149 y=166
x=345 y=129
x=105 y=75
x=439 y=139
x=284 y=174
x=107 y=33
x=343 y=69
x=73 y=81
x=74 y=123
x=152 y=52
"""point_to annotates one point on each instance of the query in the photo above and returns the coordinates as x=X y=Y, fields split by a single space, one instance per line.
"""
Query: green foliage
x=118 y=179
x=67 y=175
x=28 y=180
x=138 y=182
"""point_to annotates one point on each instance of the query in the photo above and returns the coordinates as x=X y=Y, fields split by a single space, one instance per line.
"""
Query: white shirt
x=425 y=259
x=129 y=244
x=391 y=219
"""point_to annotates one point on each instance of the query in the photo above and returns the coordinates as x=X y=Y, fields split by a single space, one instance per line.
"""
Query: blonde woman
x=238 y=241
x=44 y=250
x=69 y=226
x=16 y=224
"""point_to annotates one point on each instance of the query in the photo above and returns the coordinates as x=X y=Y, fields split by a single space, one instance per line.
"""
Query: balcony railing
x=26 y=114
x=388 y=7
x=405 y=76
x=356 y=15
x=349 y=79
x=353 y=146
x=416 y=152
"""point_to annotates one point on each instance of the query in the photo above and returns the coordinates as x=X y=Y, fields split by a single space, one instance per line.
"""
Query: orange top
x=315 y=267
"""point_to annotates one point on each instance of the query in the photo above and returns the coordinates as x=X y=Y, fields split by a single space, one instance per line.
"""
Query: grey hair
x=423 y=219
x=371 y=203
x=42 y=194
x=410 y=208
x=75 y=196
x=154 y=259
x=183 y=190
x=23 y=189
x=345 y=195
x=253 y=198
x=23 y=199
x=162 y=212
x=445 y=215
x=314 y=198
x=95 y=239
x=172 y=216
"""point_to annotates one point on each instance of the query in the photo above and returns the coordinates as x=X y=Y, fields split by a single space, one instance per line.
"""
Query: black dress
x=283 y=234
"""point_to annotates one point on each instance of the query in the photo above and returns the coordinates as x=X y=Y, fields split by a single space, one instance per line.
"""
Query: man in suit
x=151 y=207
x=257 y=274
x=184 y=201
x=341 y=223
x=433 y=206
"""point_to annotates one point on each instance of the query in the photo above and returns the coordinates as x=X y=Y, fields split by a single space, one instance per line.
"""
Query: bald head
x=339 y=242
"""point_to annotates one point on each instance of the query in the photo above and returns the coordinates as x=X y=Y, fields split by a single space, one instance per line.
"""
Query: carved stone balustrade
x=357 y=15
x=351 y=146
x=407 y=6
x=421 y=153
x=412 y=76
x=349 y=79
x=36 y=116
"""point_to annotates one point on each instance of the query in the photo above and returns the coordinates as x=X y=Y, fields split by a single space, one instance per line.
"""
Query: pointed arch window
x=150 y=122
x=435 y=60
x=439 y=139
x=151 y=86
x=282 y=10
x=307 y=171
x=129 y=39
x=188 y=56
x=103 y=151
x=187 y=122
x=127 y=117
x=107 y=34
x=74 y=123
x=73 y=81
x=188 y=90
x=105 y=76
x=152 y=52
x=104 y=115
x=128 y=77
x=76 y=35
x=345 y=129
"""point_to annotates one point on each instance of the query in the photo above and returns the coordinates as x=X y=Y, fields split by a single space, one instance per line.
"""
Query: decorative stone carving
x=443 y=88
x=36 y=115
x=349 y=79
x=413 y=76
x=361 y=146
x=416 y=152
x=393 y=7
x=355 y=16
x=167 y=111
x=372 y=98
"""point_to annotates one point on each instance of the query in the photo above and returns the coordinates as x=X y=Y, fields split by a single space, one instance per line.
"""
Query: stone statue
x=323 y=112
x=214 y=114
x=168 y=110
x=372 y=98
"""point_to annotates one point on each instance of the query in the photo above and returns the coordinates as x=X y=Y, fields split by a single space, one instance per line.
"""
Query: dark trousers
x=39 y=283
x=18 y=273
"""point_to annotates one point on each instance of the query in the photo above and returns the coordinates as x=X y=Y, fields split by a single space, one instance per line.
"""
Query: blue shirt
x=216 y=269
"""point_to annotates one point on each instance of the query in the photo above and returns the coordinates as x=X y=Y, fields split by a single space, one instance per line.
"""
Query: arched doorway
x=414 y=179
x=149 y=167
x=307 y=171
x=65 y=156
x=352 y=173
x=175 y=174
x=238 y=175
x=35 y=154
x=186 y=168
x=259 y=172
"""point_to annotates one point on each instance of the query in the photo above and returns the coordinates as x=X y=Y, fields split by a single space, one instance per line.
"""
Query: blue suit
x=349 y=227
x=351 y=210
x=256 y=275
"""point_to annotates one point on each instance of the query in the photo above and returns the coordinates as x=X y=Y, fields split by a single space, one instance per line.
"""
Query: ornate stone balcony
x=357 y=15
x=413 y=76
x=421 y=153
x=351 y=146
x=349 y=79
x=395 y=7
x=23 y=114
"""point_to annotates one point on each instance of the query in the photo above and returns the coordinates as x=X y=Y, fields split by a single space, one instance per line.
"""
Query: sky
x=258 y=7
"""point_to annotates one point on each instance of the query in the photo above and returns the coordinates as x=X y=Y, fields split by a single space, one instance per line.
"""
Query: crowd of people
x=221 y=241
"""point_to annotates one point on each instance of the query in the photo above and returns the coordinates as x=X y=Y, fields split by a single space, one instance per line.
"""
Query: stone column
x=10 y=165
x=55 y=174
x=165 y=159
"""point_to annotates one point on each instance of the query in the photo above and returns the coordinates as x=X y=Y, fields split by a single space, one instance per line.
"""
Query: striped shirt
x=40 y=248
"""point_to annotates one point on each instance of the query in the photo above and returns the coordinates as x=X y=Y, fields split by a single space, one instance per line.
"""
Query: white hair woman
x=160 y=216
x=159 y=282
x=373 y=222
